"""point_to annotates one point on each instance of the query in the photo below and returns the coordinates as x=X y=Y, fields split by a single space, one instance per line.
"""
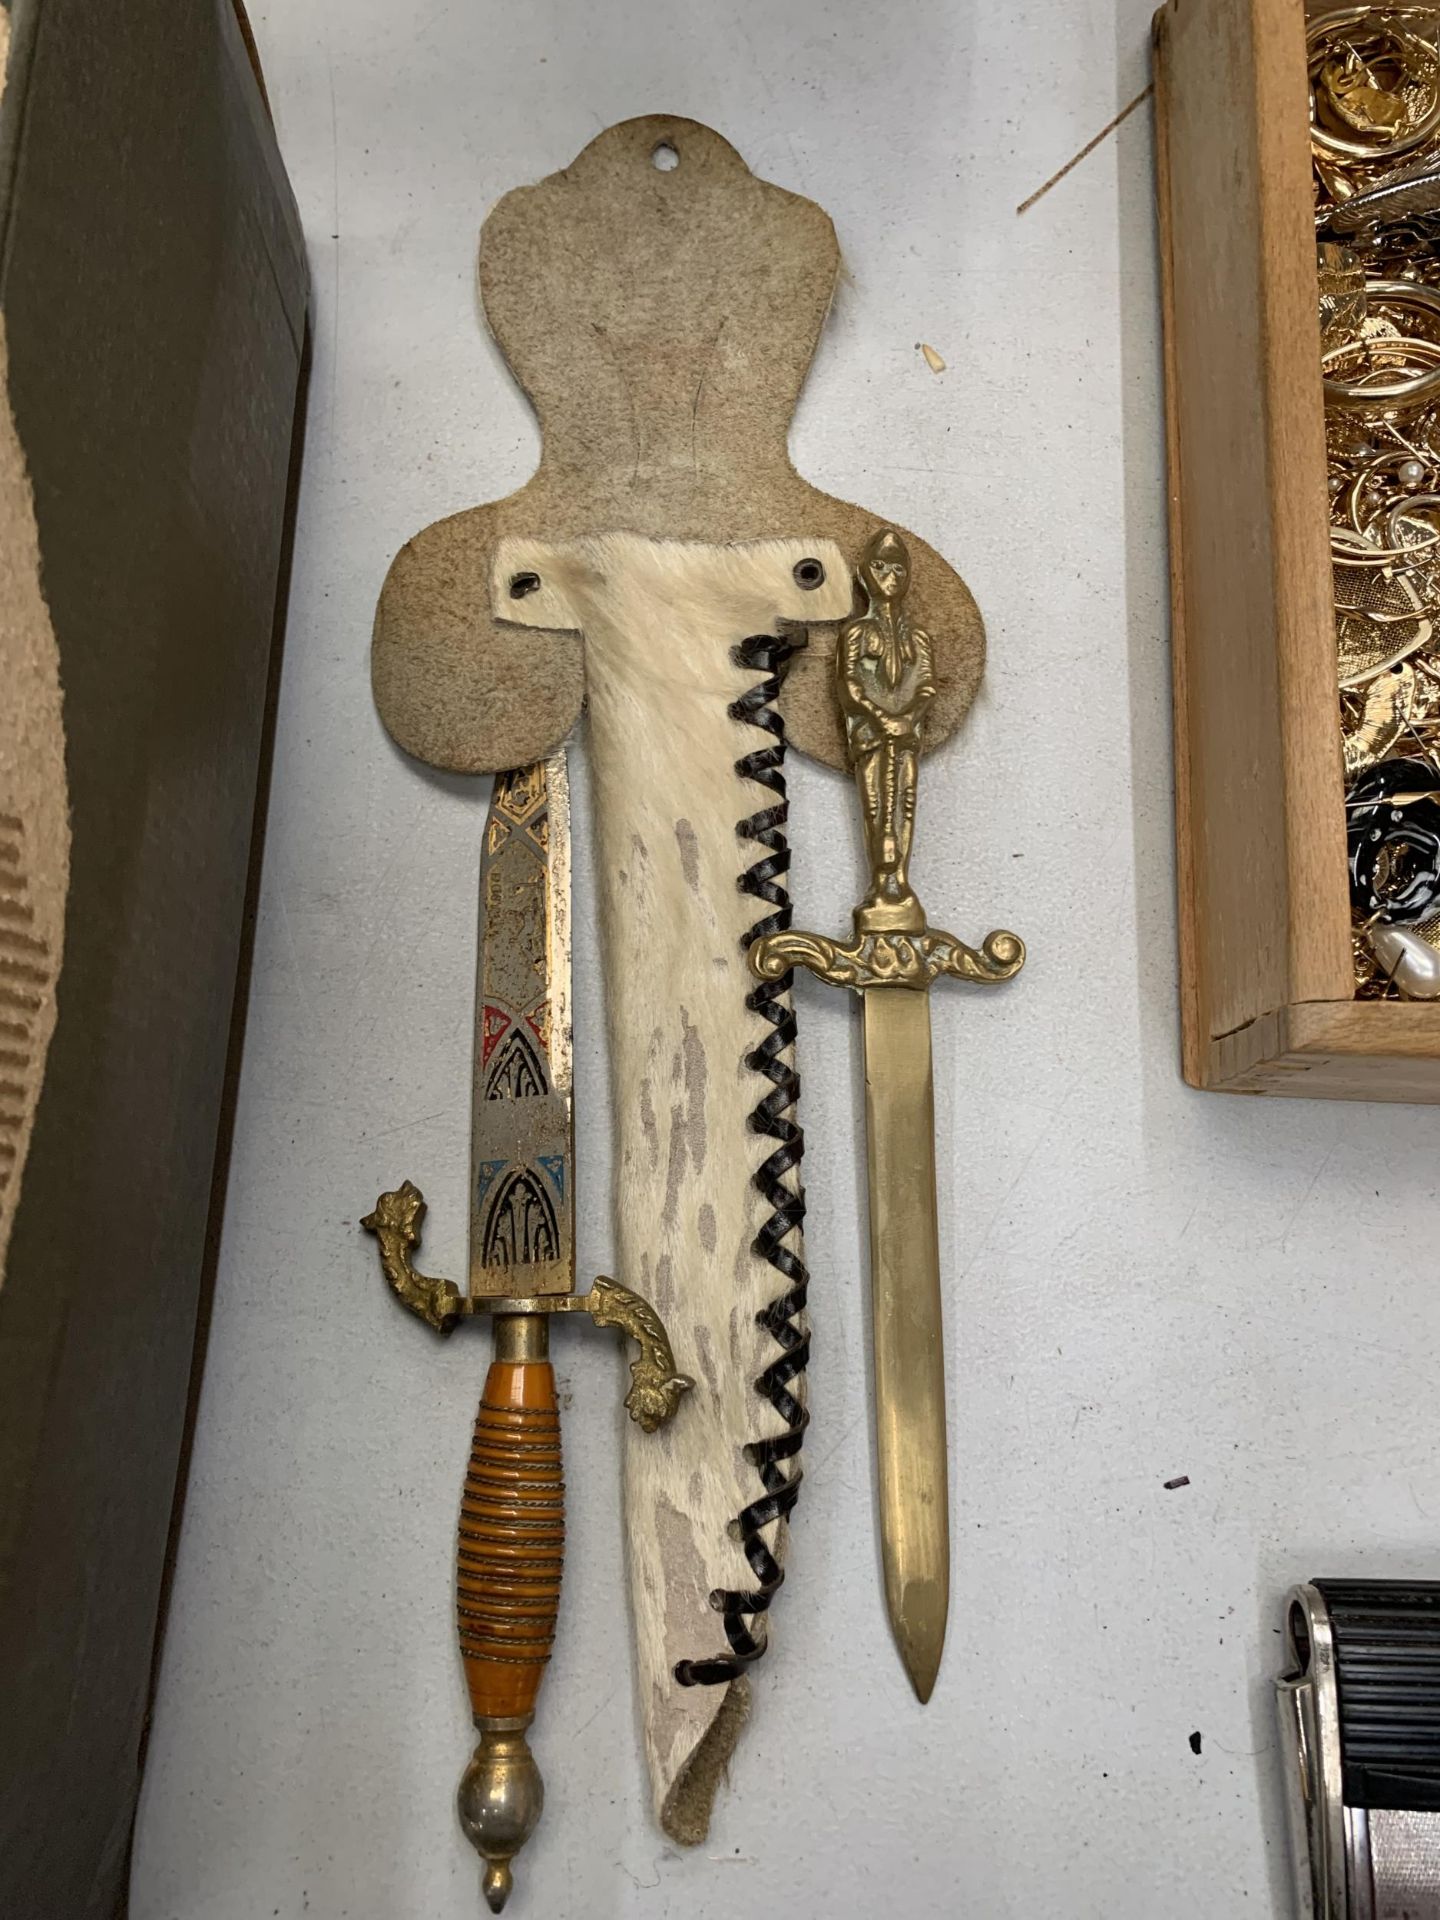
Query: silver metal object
x=1359 y=1709
x=1405 y=196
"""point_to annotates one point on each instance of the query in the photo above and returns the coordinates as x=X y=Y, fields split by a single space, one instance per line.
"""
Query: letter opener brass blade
x=522 y=1268
x=885 y=681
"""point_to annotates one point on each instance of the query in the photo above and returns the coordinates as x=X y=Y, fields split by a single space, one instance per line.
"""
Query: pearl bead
x=1411 y=962
x=1410 y=474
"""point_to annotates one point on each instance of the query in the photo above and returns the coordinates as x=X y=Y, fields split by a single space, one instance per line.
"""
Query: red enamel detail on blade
x=492 y=1028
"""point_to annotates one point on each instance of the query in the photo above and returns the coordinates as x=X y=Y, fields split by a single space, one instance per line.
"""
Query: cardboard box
x=1267 y=979
x=153 y=293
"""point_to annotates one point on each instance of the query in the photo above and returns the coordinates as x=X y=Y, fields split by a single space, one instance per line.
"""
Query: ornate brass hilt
x=656 y=1385
x=511 y=1547
x=885 y=680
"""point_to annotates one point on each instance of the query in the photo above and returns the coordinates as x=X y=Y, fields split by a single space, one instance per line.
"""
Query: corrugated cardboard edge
x=34 y=815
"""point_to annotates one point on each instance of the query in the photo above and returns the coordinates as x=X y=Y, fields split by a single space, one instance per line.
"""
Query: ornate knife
x=885 y=681
x=522 y=1268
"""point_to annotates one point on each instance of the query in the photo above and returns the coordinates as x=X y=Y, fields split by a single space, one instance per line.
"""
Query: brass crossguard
x=656 y=1384
x=884 y=955
x=885 y=679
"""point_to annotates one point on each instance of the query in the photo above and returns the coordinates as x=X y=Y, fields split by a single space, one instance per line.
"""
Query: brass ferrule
x=522 y=1337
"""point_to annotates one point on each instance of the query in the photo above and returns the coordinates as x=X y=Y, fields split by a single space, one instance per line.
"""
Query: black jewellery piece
x=1393 y=818
x=1393 y=830
x=1359 y=1707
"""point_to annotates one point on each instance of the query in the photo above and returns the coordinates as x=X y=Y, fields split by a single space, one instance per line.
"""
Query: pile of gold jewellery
x=1375 y=139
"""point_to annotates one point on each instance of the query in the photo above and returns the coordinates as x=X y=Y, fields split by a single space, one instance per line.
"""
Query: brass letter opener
x=522 y=1268
x=885 y=682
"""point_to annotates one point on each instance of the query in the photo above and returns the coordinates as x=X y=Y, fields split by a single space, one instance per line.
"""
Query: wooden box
x=1265 y=957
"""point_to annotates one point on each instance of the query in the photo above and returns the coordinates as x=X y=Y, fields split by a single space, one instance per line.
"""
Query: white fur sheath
x=661 y=622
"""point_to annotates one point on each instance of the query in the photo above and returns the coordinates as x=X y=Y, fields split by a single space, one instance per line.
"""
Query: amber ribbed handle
x=512 y=1540
x=510 y=1558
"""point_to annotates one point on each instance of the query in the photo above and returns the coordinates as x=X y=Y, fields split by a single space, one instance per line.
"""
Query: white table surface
x=1142 y=1282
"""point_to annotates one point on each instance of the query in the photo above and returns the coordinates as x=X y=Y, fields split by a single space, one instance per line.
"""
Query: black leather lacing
x=777 y=1459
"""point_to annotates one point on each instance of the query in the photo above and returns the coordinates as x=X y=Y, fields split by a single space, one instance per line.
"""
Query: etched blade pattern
x=522 y=1202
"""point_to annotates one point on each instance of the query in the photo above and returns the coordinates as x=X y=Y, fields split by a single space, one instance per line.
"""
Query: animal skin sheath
x=661 y=623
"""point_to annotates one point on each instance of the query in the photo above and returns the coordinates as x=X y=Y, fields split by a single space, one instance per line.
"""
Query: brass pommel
x=501 y=1798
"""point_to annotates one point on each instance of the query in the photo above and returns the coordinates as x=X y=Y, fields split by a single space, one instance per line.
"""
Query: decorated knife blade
x=522 y=1268
x=522 y=1128
x=885 y=682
